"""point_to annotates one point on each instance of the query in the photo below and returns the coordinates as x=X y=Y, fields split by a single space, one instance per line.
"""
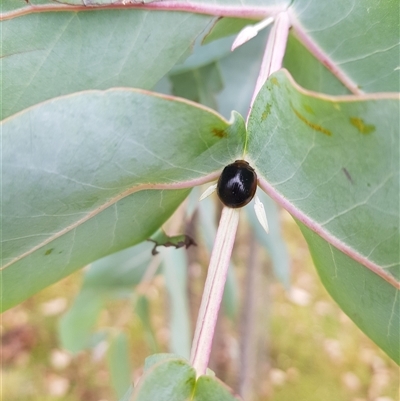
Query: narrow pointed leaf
x=119 y=364
x=175 y=267
x=77 y=325
x=109 y=277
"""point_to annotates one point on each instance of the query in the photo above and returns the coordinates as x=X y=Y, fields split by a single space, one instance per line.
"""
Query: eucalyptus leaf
x=170 y=379
x=224 y=27
x=308 y=71
x=371 y=302
x=128 y=394
x=65 y=52
x=107 y=278
x=86 y=175
x=360 y=38
x=77 y=325
x=175 y=266
x=209 y=388
x=200 y=84
x=333 y=162
x=119 y=364
x=159 y=357
x=142 y=309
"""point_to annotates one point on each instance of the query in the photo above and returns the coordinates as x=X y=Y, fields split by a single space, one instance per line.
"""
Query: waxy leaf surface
x=333 y=162
x=360 y=38
x=45 y=55
x=72 y=169
x=167 y=377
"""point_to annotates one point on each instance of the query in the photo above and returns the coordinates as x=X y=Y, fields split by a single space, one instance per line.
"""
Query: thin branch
x=214 y=289
x=274 y=53
x=248 y=323
x=250 y=12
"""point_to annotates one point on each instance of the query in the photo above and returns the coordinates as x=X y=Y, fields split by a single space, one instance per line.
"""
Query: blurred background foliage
x=300 y=344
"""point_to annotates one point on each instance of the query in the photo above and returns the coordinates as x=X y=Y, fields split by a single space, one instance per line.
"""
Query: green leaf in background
x=334 y=164
x=239 y=71
x=119 y=364
x=219 y=78
x=199 y=85
x=110 y=277
x=226 y=27
x=70 y=192
x=142 y=309
x=273 y=241
x=120 y=271
x=157 y=358
x=77 y=325
x=175 y=266
x=128 y=394
x=45 y=55
x=170 y=379
x=209 y=388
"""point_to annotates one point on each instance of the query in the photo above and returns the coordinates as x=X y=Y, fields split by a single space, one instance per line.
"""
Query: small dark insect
x=237 y=184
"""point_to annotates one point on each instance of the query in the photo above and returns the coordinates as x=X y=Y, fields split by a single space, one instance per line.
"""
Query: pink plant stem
x=214 y=289
x=274 y=52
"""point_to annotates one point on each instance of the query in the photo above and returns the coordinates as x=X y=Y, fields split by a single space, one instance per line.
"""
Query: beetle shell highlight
x=237 y=184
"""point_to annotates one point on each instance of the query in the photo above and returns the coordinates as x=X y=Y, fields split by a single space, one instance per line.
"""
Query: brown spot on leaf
x=220 y=133
x=266 y=112
x=274 y=81
x=314 y=126
x=361 y=126
x=308 y=109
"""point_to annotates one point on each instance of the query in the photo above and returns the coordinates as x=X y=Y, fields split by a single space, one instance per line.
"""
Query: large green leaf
x=372 y=303
x=167 y=377
x=333 y=162
x=308 y=72
x=72 y=169
x=45 y=55
x=170 y=379
x=358 y=38
x=209 y=388
x=10 y=6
